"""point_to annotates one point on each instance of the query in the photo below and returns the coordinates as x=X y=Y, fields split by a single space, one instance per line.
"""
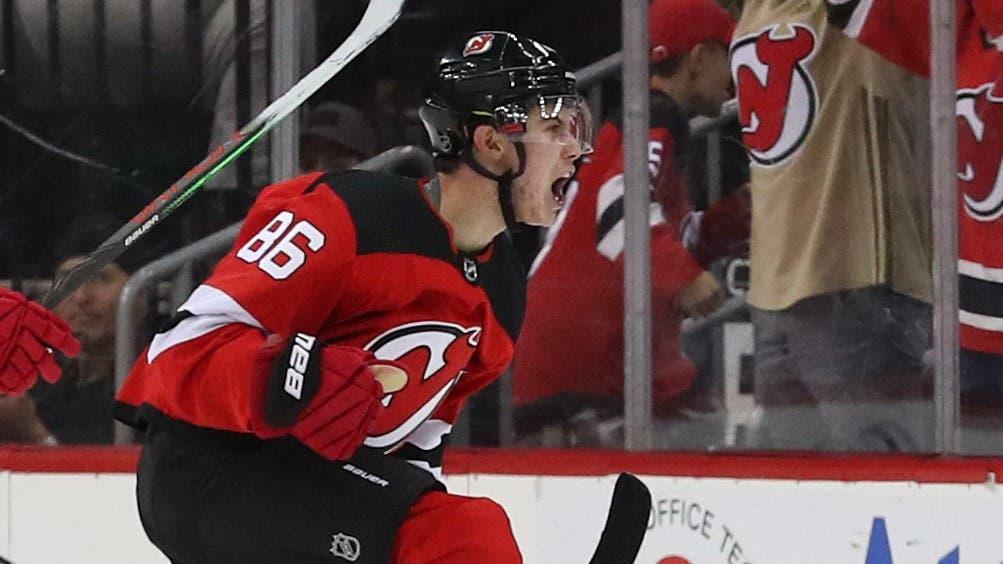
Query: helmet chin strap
x=504 y=184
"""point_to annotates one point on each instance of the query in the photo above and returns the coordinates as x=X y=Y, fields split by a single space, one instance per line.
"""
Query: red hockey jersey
x=358 y=259
x=572 y=341
x=900 y=31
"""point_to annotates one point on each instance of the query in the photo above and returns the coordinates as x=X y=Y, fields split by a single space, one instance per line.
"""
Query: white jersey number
x=655 y=149
x=276 y=249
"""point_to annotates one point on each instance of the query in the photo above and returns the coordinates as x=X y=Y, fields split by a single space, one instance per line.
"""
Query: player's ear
x=490 y=145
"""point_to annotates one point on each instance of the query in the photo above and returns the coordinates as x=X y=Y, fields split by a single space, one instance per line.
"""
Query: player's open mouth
x=559 y=189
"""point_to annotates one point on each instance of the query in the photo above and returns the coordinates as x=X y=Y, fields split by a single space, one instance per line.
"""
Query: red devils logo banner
x=778 y=100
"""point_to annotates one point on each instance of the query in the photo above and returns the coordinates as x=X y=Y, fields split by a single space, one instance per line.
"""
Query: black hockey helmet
x=495 y=78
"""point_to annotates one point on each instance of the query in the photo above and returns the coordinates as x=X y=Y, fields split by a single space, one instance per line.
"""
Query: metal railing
x=598 y=71
x=127 y=318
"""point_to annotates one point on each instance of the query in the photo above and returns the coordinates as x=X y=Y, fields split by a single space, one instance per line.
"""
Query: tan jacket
x=839 y=140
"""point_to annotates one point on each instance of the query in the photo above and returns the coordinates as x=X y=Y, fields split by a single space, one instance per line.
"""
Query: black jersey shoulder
x=390 y=214
x=664 y=112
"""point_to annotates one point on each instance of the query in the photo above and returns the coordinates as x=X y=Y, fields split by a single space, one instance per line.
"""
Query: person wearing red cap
x=689 y=54
x=841 y=249
x=568 y=372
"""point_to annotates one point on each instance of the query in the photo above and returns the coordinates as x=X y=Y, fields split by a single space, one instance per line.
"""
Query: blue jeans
x=844 y=371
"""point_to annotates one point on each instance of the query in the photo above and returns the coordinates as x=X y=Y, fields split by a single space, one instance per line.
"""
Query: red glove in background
x=326 y=396
x=724 y=229
x=26 y=329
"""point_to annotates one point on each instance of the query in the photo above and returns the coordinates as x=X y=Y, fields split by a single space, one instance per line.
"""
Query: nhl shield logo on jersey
x=778 y=99
x=470 y=270
x=980 y=145
x=345 y=547
x=479 y=44
x=435 y=354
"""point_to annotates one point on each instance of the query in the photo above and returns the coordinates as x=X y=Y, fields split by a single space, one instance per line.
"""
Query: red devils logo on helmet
x=479 y=44
x=434 y=354
x=777 y=97
x=980 y=151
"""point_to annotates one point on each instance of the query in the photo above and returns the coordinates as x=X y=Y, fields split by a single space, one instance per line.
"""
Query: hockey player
x=27 y=331
x=298 y=407
x=568 y=383
x=840 y=241
x=900 y=32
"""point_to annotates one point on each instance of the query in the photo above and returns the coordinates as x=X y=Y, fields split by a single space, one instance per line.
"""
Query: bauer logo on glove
x=299 y=359
x=297 y=369
x=324 y=395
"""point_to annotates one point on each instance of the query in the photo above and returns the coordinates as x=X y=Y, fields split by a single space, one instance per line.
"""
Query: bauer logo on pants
x=345 y=547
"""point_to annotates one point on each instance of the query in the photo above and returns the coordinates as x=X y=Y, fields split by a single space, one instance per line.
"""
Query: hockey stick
x=379 y=16
x=626 y=523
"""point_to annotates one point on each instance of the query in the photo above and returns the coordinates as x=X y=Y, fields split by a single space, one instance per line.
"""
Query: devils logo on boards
x=980 y=148
x=434 y=354
x=778 y=100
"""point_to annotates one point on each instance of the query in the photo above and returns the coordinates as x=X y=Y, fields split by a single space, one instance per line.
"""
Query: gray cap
x=341 y=124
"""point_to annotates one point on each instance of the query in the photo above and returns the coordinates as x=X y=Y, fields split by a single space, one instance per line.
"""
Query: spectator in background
x=235 y=45
x=335 y=137
x=980 y=173
x=236 y=40
x=841 y=243
x=568 y=372
x=77 y=408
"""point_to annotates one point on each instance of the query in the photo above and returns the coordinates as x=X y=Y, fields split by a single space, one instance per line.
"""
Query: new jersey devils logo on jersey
x=777 y=97
x=434 y=354
x=980 y=151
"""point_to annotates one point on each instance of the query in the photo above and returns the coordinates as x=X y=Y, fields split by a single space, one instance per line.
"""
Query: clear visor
x=561 y=120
